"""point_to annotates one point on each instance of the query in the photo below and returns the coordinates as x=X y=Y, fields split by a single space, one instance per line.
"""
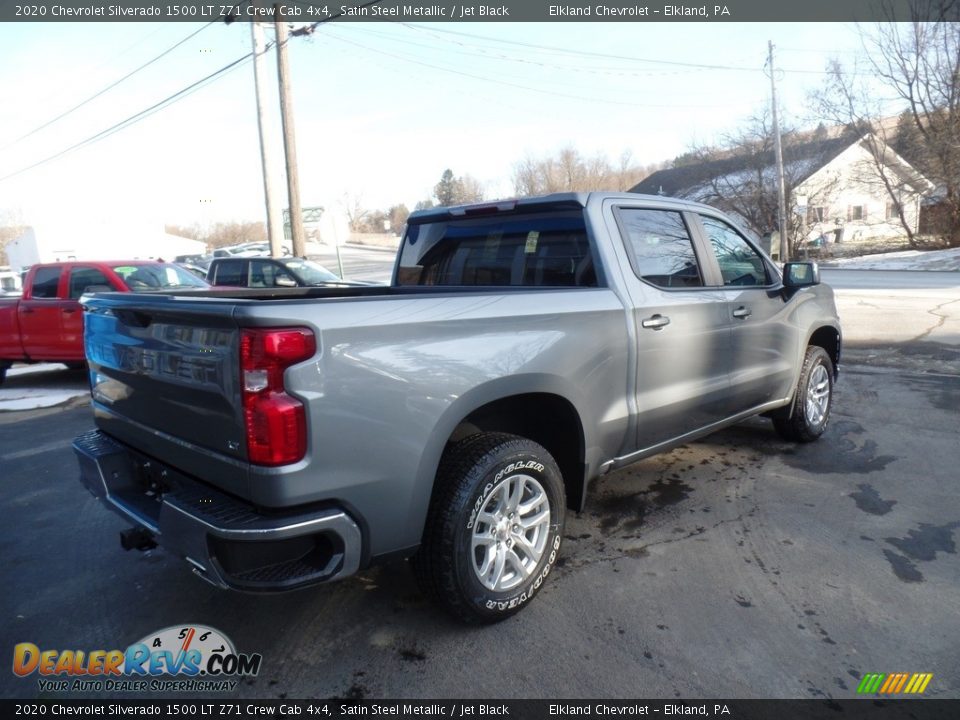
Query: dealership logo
x=185 y=651
x=894 y=683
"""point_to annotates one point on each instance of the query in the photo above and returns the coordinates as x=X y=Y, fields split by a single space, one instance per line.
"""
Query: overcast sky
x=381 y=109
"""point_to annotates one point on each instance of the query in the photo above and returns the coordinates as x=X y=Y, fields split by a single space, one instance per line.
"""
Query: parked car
x=234 y=251
x=195 y=269
x=524 y=349
x=201 y=261
x=262 y=249
x=46 y=323
x=270 y=273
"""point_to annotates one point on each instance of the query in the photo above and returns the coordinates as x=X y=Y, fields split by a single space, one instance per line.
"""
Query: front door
x=762 y=342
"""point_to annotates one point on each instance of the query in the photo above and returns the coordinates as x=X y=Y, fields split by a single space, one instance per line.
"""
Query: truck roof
x=563 y=200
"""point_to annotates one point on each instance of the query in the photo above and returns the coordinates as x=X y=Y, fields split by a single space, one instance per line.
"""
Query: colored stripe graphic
x=870 y=683
x=894 y=683
x=914 y=682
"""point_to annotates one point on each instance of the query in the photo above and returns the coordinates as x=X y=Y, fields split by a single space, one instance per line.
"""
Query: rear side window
x=534 y=250
x=262 y=274
x=45 y=282
x=82 y=278
x=231 y=272
x=660 y=248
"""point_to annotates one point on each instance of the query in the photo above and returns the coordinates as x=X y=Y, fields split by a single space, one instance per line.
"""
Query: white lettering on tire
x=527 y=594
x=488 y=488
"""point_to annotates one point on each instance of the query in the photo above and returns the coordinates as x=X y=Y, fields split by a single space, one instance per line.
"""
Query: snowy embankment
x=944 y=260
x=29 y=387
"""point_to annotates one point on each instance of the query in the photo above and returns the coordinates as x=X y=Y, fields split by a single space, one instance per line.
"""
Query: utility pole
x=289 y=135
x=778 y=150
x=274 y=221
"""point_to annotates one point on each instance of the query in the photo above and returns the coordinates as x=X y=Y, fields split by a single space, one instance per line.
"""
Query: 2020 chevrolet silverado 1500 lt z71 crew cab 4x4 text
x=278 y=438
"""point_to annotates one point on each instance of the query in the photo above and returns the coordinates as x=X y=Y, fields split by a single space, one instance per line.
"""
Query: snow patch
x=943 y=260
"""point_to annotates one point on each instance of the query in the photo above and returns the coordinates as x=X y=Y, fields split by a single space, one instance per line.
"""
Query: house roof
x=801 y=159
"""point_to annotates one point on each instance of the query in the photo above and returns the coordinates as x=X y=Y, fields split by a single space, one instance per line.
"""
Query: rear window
x=230 y=272
x=534 y=250
x=45 y=282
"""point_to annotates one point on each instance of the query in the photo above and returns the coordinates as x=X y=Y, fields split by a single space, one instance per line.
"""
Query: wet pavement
x=737 y=566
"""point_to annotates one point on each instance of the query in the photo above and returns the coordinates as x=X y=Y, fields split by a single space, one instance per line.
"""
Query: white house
x=837 y=189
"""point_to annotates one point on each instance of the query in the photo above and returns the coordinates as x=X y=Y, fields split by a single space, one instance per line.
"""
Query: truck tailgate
x=165 y=377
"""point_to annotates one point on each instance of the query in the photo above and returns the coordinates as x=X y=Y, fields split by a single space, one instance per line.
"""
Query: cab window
x=739 y=263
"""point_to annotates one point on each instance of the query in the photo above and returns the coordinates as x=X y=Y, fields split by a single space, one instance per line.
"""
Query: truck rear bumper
x=227 y=542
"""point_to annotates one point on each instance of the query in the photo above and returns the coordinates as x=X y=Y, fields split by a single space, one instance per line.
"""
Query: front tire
x=494 y=527
x=809 y=415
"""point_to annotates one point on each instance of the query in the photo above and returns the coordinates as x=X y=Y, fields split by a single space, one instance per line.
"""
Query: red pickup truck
x=46 y=323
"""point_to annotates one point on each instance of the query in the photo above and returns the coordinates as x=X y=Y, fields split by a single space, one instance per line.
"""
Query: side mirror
x=800 y=274
x=285 y=281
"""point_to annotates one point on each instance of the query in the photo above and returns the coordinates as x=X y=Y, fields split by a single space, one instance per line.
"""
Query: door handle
x=656 y=322
x=69 y=311
x=742 y=312
x=26 y=310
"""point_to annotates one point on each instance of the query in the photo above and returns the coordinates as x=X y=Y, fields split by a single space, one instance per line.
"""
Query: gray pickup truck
x=283 y=437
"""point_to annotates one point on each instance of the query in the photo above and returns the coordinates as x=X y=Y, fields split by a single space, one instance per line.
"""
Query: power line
x=108 y=87
x=495 y=54
x=587 y=53
x=510 y=84
x=137 y=117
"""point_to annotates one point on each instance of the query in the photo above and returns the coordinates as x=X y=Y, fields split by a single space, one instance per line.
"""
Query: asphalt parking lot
x=738 y=566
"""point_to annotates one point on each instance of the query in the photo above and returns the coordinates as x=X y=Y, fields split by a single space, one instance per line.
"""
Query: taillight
x=276 y=423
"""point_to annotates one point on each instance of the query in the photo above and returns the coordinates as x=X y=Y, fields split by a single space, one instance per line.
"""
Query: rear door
x=682 y=344
x=762 y=343
x=39 y=315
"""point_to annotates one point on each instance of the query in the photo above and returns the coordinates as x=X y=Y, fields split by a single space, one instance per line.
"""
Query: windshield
x=150 y=278
x=310 y=272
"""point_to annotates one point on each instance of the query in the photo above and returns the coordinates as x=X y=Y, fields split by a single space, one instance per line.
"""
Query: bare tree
x=233 y=233
x=919 y=63
x=452 y=190
x=356 y=213
x=568 y=171
x=739 y=176
x=194 y=232
x=398 y=215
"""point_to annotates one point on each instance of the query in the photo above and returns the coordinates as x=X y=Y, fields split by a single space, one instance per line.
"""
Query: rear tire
x=494 y=528
x=76 y=365
x=809 y=415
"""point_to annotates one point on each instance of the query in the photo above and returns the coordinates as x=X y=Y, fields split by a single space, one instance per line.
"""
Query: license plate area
x=151 y=478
